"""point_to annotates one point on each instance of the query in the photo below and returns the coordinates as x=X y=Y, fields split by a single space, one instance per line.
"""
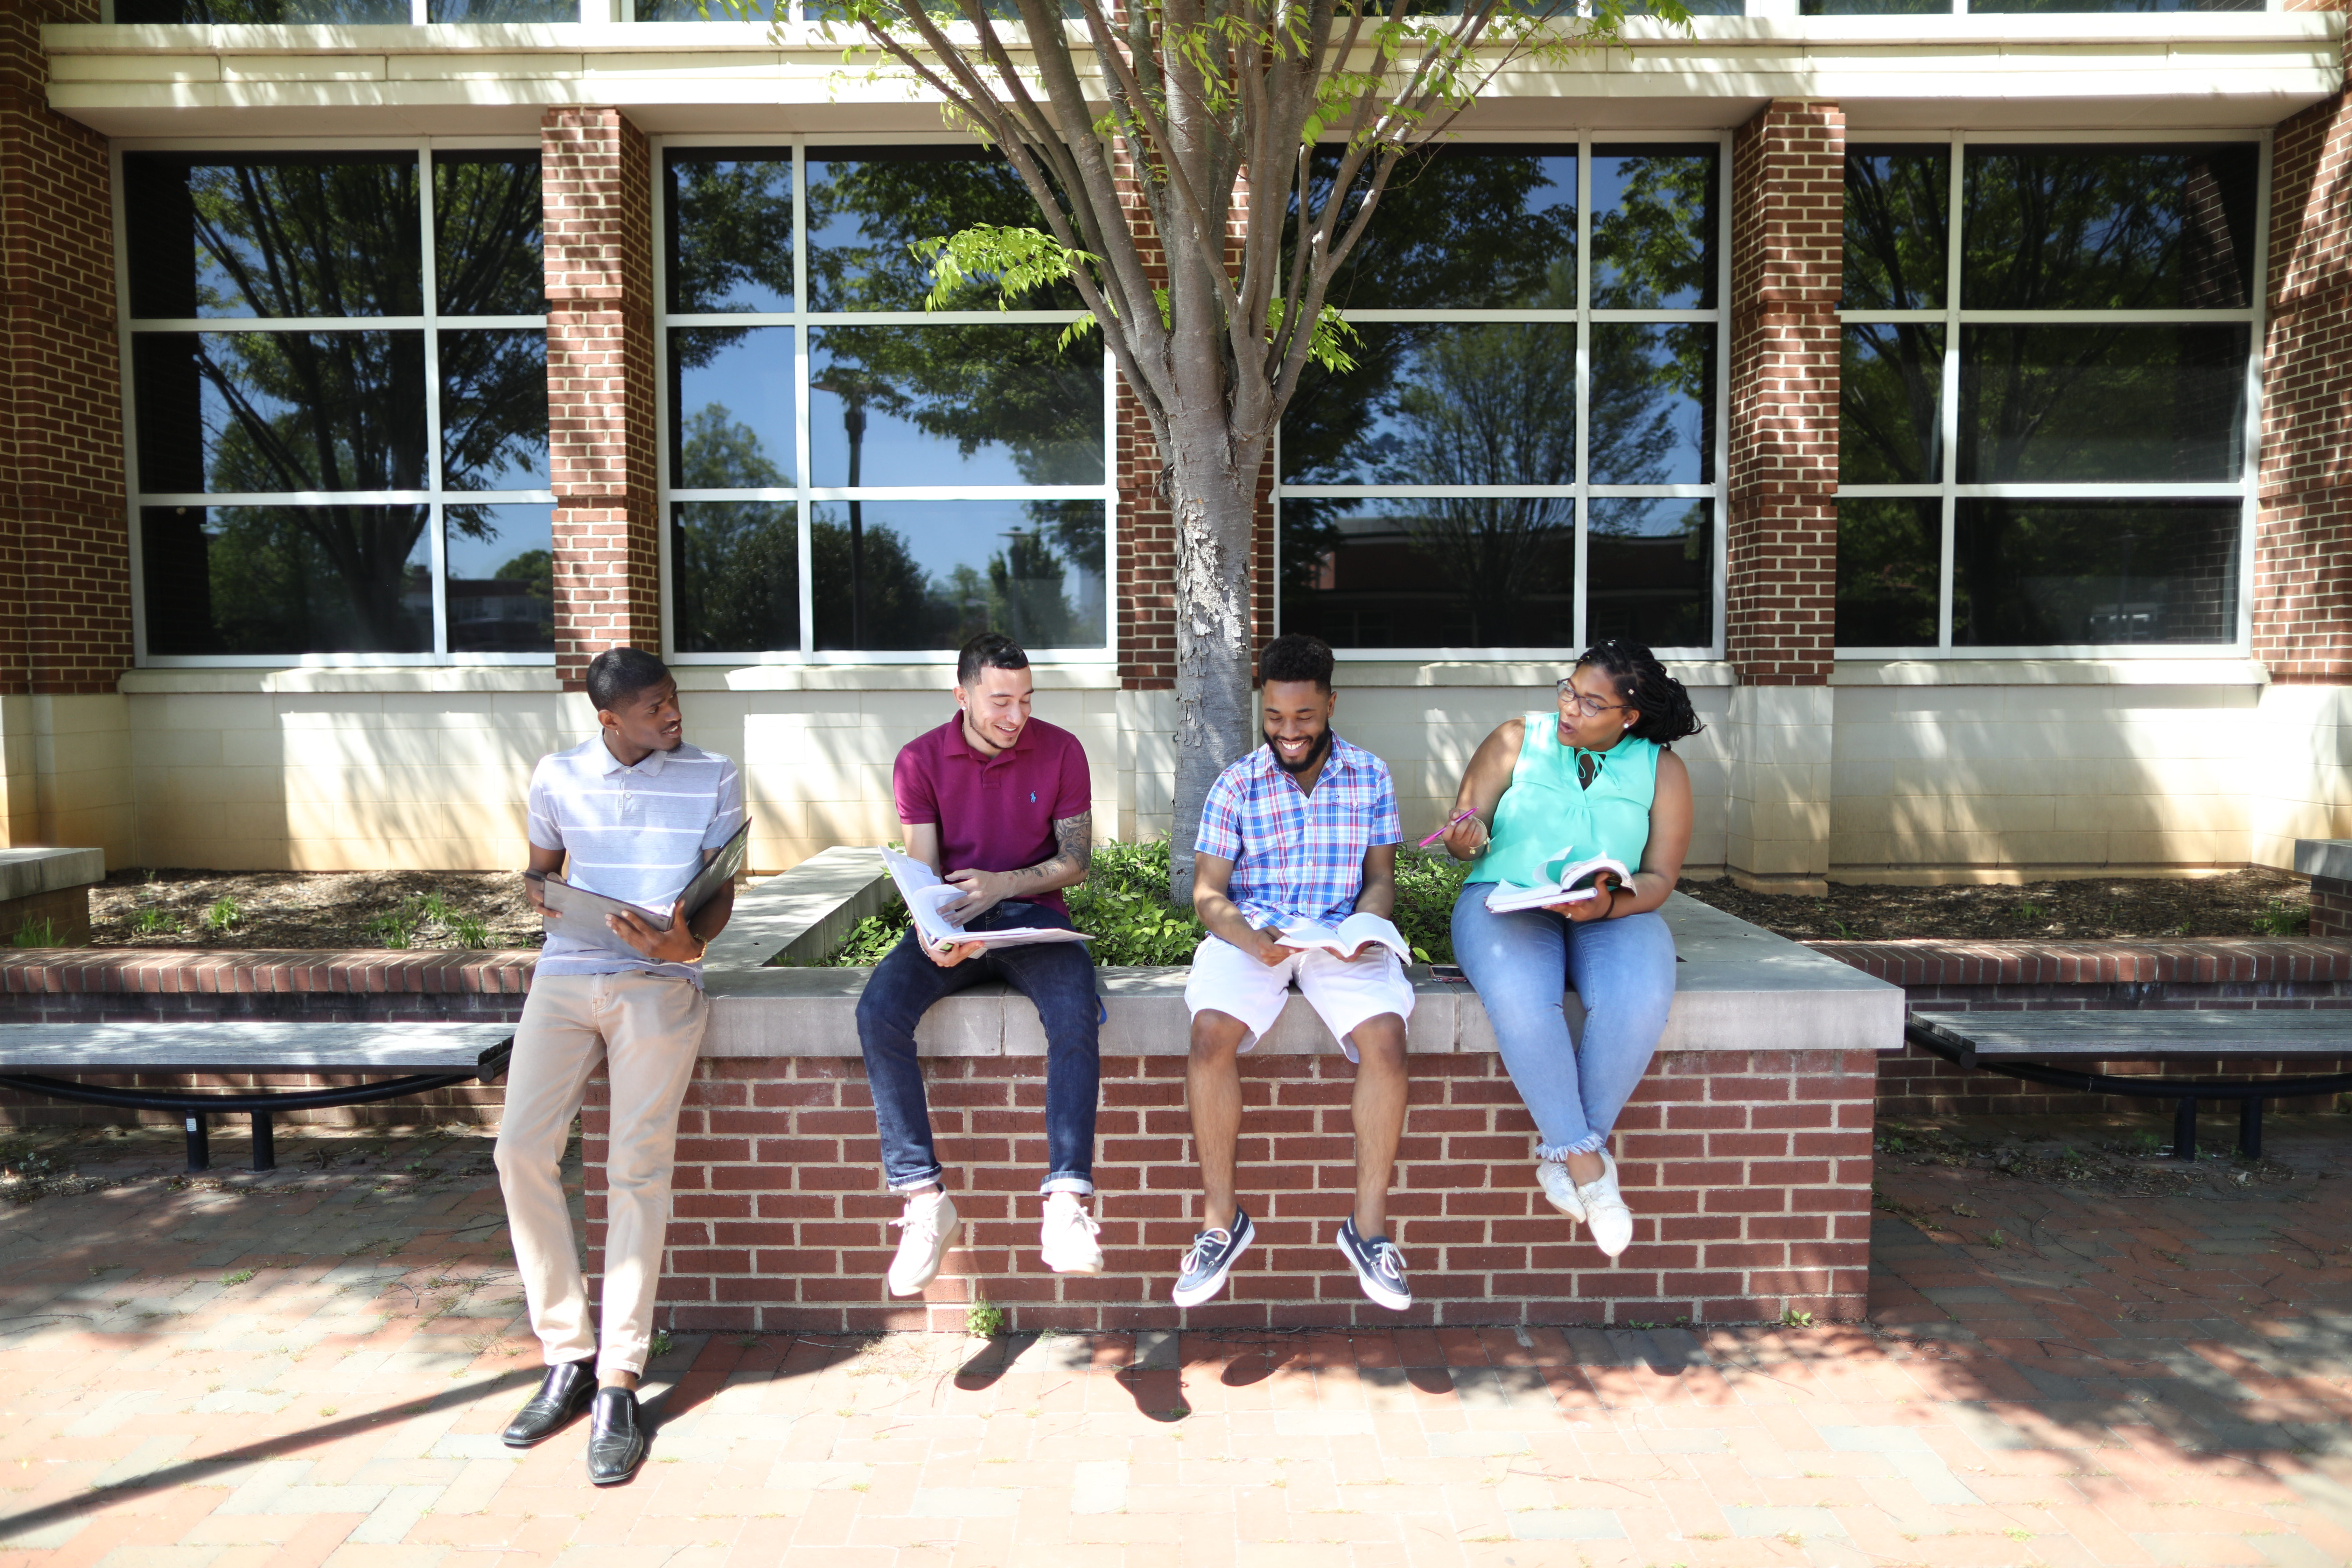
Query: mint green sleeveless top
x=1545 y=810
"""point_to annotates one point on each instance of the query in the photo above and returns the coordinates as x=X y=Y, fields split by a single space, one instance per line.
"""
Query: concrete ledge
x=25 y=872
x=2328 y=857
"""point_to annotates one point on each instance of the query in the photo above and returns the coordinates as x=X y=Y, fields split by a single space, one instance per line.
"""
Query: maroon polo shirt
x=994 y=814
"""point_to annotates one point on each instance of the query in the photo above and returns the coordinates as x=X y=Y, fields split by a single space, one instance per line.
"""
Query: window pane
x=275 y=234
x=502 y=10
x=735 y=583
x=494 y=410
x=688 y=11
x=1476 y=228
x=1493 y=404
x=287 y=579
x=1889 y=554
x=730 y=407
x=866 y=205
x=234 y=412
x=730 y=229
x=1469 y=573
x=266 y=11
x=1654 y=227
x=975 y=404
x=1648 y=572
x=2082 y=403
x=1890 y=393
x=2047 y=573
x=2035 y=7
x=486 y=226
x=1873 y=7
x=1653 y=404
x=501 y=578
x=1898 y=205
x=2093 y=228
x=894 y=575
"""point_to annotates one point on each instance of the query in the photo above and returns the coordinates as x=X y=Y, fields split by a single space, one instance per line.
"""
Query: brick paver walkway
x=314 y=1367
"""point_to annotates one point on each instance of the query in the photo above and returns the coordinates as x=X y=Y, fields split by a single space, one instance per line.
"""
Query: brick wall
x=1749 y=1174
x=120 y=985
x=2331 y=908
x=597 y=177
x=2303 y=550
x=1788 y=203
x=65 y=575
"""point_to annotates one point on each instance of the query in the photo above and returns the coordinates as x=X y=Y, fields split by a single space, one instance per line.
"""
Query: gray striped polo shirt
x=636 y=834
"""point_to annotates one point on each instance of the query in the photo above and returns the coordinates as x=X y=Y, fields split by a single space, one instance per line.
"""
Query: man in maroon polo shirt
x=1001 y=804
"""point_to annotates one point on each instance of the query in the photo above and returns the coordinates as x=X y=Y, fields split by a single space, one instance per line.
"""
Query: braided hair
x=1664 y=707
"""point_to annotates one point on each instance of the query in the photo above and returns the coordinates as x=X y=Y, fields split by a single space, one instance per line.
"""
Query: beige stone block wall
x=2301 y=762
x=65 y=770
x=2002 y=783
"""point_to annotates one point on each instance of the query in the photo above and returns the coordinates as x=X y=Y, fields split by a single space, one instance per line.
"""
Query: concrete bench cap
x=25 y=872
x=2330 y=857
x=251 y=1046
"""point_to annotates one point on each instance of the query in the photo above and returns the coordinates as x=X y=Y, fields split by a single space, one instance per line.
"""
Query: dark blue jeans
x=1058 y=977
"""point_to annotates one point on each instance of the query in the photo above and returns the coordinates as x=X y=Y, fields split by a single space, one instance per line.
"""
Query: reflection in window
x=320 y=421
x=735 y=575
x=1897 y=205
x=287 y=579
x=1889 y=553
x=1873 y=7
x=1890 y=398
x=2108 y=228
x=730 y=229
x=1489 y=228
x=905 y=575
x=868 y=204
x=501 y=578
x=1653 y=404
x=730 y=407
x=955 y=403
x=1469 y=572
x=1648 y=572
x=1491 y=404
x=2131 y=401
x=2059 y=574
x=1654 y=227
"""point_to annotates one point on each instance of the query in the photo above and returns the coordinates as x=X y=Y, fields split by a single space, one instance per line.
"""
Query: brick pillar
x=1788 y=204
x=597 y=178
x=2303 y=541
x=65 y=552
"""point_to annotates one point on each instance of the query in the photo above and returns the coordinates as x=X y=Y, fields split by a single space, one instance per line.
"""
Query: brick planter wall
x=161 y=985
x=1953 y=977
x=1749 y=1174
x=2331 y=908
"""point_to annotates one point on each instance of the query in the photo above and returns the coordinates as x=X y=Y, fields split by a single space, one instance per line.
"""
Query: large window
x=849 y=475
x=2045 y=441
x=345 y=11
x=338 y=404
x=1526 y=456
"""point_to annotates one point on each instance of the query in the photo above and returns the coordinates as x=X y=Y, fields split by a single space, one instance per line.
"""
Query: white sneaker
x=1071 y=1240
x=1605 y=1214
x=1559 y=1187
x=928 y=1229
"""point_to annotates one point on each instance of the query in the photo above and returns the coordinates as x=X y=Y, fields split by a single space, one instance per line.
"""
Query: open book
x=927 y=895
x=1348 y=939
x=1571 y=882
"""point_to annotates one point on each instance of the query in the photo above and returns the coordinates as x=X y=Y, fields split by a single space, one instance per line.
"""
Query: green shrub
x=871 y=939
x=39 y=932
x=222 y=913
x=2280 y=918
x=152 y=921
x=1427 y=885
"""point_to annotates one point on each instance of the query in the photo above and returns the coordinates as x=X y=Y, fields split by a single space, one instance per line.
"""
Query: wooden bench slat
x=2123 y=1034
x=251 y=1048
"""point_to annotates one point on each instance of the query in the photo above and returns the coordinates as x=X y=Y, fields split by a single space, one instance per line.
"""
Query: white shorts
x=1343 y=995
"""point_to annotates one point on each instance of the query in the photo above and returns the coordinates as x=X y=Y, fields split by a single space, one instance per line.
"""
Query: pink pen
x=1452 y=821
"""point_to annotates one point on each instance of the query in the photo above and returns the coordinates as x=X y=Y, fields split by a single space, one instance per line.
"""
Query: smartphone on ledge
x=1452 y=972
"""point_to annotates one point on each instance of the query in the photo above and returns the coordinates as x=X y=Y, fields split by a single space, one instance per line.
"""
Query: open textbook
x=927 y=895
x=1571 y=882
x=578 y=913
x=1349 y=938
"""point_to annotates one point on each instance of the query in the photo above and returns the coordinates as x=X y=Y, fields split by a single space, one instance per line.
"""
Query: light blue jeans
x=1622 y=969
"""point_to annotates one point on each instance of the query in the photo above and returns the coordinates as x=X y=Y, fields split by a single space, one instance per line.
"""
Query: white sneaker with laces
x=1559 y=1188
x=1610 y=1222
x=1071 y=1241
x=928 y=1229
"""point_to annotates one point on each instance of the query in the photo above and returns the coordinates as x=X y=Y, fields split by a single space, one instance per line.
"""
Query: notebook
x=577 y=913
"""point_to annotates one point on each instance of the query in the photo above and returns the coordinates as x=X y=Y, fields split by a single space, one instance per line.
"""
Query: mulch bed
x=348 y=909
x=2256 y=903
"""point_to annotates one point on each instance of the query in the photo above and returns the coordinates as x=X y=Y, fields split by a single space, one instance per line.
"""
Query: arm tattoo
x=1073 y=849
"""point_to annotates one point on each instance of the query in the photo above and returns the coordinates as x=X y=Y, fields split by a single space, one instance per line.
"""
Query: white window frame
x=1947 y=490
x=433 y=497
x=800 y=493
x=1584 y=490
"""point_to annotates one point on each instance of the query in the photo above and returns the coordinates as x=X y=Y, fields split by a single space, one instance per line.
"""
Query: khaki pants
x=649 y=1030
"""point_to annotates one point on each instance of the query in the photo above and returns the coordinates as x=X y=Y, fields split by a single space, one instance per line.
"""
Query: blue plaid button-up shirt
x=1299 y=856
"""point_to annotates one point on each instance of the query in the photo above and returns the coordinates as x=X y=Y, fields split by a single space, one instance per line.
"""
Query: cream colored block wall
x=65 y=772
x=1777 y=745
x=2301 y=762
x=1994 y=783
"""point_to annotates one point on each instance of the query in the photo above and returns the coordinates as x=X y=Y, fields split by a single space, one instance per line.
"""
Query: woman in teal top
x=1546 y=789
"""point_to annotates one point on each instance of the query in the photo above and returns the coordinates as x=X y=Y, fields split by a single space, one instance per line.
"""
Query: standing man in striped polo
x=637 y=811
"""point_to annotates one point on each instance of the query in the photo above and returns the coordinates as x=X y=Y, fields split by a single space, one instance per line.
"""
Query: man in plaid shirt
x=1302 y=831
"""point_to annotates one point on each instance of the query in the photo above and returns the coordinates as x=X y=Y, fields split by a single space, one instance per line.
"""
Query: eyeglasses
x=1590 y=707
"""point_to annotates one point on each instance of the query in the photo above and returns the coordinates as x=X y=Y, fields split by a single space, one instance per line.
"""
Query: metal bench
x=2027 y=1045
x=427 y=1055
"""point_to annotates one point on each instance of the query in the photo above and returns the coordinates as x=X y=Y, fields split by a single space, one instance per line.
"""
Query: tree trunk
x=1216 y=511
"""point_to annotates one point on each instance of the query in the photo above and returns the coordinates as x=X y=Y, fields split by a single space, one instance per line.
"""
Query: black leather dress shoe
x=616 y=1437
x=564 y=1394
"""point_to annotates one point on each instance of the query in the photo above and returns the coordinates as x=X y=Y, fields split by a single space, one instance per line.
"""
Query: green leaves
x=1017 y=261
